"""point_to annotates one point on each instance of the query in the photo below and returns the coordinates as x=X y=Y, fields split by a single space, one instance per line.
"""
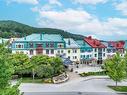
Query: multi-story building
x=113 y=47
x=85 y=52
x=47 y=44
x=98 y=49
x=72 y=50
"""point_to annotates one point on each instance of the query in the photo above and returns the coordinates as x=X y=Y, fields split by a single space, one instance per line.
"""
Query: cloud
x=81 y=22
x=93 y=2
x=34 y=2
x=55 y=2
x=122 y=7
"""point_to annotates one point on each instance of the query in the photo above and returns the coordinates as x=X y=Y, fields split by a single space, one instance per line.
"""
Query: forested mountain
x=10 y=29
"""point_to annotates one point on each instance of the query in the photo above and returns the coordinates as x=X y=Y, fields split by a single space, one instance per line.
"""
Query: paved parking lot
x=92 y=85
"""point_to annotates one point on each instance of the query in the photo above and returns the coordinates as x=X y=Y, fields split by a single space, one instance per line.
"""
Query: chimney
x=89 y=37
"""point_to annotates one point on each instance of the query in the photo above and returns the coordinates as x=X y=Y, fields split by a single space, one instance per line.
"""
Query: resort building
x=72 y=50
x=47 y=44
x=85 y=52
x=98 y=49
x=113 y=47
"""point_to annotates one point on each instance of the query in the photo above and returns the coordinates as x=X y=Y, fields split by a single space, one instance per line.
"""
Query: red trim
x=94 y=43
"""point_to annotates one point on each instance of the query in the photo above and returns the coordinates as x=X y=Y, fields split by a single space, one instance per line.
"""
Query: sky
x=102 y=19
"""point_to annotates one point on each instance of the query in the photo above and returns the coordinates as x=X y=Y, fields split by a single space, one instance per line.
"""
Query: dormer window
x=19 y=46
x=31 y=45
x=52 y=45
x=47 y=44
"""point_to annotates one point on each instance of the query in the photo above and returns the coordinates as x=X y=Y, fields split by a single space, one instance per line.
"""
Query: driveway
x=89 y=85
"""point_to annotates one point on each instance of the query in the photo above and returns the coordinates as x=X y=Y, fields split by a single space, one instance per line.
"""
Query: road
x=72 y=93
x=92 y=85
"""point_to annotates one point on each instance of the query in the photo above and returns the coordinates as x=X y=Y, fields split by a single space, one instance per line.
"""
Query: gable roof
x=117 y=45
x=71 y=43
x=94 y=43
x=83 y=44
x=42 y=37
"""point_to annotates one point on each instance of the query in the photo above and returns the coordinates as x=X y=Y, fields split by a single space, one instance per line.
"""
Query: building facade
x=34 y=44
x=85 y=52
x=72 y=50
x=98 y=49
x=115 y=46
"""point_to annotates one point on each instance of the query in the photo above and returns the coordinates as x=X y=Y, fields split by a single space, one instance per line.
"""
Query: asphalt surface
x=72 y=93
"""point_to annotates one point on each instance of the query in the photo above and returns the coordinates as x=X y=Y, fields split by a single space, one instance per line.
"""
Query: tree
x=115 y=68
x=125 y=59
x=6 y=71
x=36 y=62
x=21 y=63
x=57 y=65
x=45 y=66
x=45 y=71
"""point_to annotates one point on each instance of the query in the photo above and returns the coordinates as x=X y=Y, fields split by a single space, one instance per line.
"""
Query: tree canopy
x=115 y=68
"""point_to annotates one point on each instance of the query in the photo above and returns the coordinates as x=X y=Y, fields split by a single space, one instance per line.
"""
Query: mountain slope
x=14 y=29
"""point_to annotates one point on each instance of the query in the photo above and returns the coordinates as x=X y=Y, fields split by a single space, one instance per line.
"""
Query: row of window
x=49 y=51
x=48 y=45
x=95 y=55
x=86 y=56
x=95 y=50
x=60 y=51
x=74 y=57
x=74 y=51
x=19 y=46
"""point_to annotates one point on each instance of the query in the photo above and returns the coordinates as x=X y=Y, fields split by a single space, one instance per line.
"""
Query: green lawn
x=119 y=88
x=93 y=73
x=30 y=80
x=36 y=80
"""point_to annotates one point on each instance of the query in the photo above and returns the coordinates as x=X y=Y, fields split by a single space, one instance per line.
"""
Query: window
x=87 y=56
x=58 y=51
x=47 y=44
x=74 y=51
x=95 y=55
x=104 y=50
x=16 y=46
x=75 y=57
x=31 y=52
x=47 y=51
x=52 y=51
x=69 y=57
x=61 y=51
x=69 y=51
x=95 y=50
x=52 y=45
x=31 y=45
x=104 y=55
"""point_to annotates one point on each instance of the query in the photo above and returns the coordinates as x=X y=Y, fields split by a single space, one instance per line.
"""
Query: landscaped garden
x=101 y=73
x=119 y=88
x=38 y=69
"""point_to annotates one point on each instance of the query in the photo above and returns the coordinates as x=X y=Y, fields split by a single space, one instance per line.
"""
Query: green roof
x=42 y=37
